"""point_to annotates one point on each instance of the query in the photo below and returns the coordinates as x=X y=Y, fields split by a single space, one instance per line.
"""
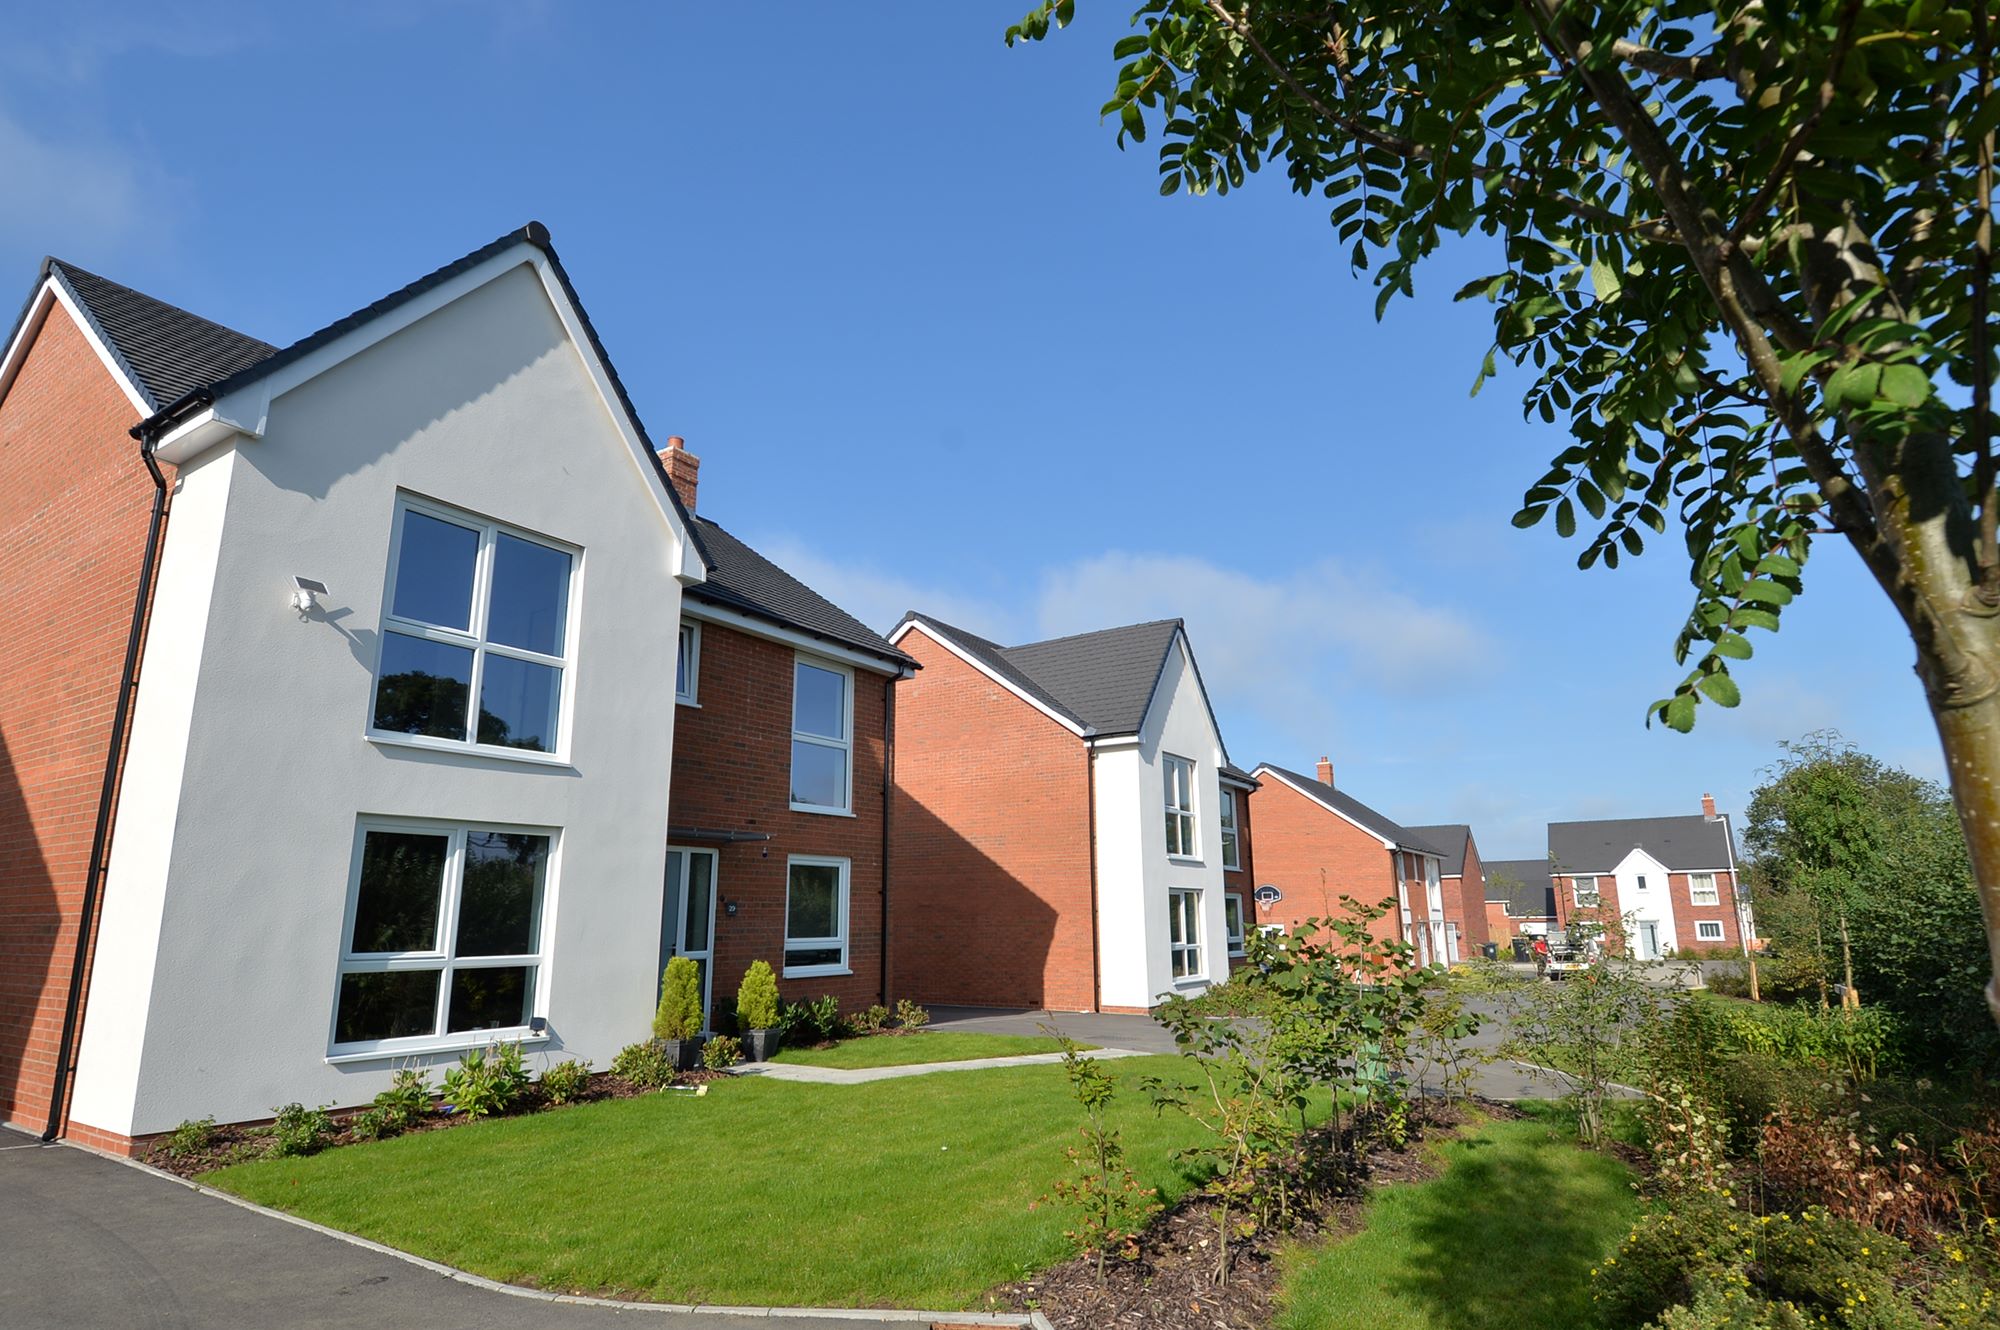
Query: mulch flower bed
x=238 y=1143
x=1172 y=1285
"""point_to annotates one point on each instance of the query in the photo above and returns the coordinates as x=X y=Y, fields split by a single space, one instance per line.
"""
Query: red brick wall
x=1686 y=913
x=1315 y=858
x=1241 y=881
x=991 y=826
x=732 y=772
x=1499 y=928
x=73 y=516
x=1465 y=902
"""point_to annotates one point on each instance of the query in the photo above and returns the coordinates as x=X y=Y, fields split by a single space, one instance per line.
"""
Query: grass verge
x=1504 y=1240
x=910 y=1049
x=912 y=1192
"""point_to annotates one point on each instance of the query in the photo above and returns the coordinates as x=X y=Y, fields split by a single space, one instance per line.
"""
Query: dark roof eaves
x=988 y=655
x=726 y=599
x=1384 y=828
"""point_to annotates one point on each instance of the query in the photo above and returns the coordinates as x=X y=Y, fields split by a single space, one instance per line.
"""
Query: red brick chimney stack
x=1325 y=772
x=1708 y=807
x=683 y=468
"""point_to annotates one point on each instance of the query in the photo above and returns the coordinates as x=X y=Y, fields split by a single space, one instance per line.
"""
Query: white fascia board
x=791 y=637
x=907 y=625
x=1279 y=776
x=198 y=433
x=47 y=296
x=1113 y=742
x=248 y=410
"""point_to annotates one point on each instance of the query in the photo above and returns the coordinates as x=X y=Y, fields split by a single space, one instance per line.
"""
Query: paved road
x=87 y=1241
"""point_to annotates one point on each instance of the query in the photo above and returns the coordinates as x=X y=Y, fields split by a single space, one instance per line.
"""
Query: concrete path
x=89 y=1241
x=792 y=1071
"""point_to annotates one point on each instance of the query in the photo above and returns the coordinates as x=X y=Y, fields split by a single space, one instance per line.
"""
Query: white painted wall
x=485 y=405
x=1134 y=872
x=1655 y=904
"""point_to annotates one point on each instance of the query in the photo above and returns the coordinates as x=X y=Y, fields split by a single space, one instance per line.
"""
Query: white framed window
x=822 y=737
x=1231 y=850
x=815 y=916
x=687 y=662
x=1708 y=930
x=475 y=610
x=1583 y=891
x=1178 y=776
x=442 y=937
x=1232 y=921
x=1184 y=932
x=1701 y=889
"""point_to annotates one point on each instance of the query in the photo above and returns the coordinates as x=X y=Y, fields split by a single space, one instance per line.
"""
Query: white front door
x=687 y=919
x=1649 y=941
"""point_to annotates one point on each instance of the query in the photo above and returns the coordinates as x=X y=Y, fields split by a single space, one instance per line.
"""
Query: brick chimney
x=1708 y=807
x=683 y=468
x=1325 y=772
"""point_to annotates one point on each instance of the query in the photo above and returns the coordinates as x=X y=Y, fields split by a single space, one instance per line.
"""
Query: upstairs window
x=822 y=738
x=687 y=662
x=1701 y=889
x=1230 y=850
x=475 y=610
x=1179 y=778
x=1583 y=890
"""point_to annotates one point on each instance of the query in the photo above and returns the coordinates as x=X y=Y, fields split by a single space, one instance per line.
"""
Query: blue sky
x=940 y=345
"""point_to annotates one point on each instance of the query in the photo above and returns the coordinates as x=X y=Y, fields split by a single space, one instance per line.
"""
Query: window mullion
x=454 y=876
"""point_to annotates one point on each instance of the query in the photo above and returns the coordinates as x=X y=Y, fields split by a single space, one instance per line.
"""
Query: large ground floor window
x=815 y=916
x=443 y=934
x=1184 y=932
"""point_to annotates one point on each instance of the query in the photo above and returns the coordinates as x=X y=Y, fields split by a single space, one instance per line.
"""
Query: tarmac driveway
x=88 y=1241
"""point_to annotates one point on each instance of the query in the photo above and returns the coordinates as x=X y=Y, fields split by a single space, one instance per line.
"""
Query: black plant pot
x=685 y=1053
x=759 y=1045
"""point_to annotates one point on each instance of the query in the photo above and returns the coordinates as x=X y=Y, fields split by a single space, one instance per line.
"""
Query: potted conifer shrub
x=757 y=1012
x=677 y=1023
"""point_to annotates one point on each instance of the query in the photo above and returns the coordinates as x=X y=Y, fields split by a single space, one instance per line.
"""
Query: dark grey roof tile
x=1106 y=678
x=165 y=350
x=1353 y=809
x=739 y=578
x=1450 y=838
x=1523 y=884
x=1680 y=843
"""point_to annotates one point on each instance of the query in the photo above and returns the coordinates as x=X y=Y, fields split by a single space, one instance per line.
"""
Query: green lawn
x=929 y=1046
x=1504 y=1240
x=910 y=1192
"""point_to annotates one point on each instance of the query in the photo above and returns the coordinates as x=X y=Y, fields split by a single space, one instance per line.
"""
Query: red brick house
x=1317 y=843
x=778 y=846
x=1239 y=872
x=1520 y=899
x=1463 y=878
x=1657 y=884
x=1068 y=831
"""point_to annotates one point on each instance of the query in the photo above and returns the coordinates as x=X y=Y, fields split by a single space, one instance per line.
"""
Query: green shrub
x=406 y=1100
x=193 y=1137
x=565 y=1081
x=814 y=1022
x=486 y=1081
x=1807 y=1035
x=757 y=998
x=911 y=1016
x=679 y=1014
x=371 y=1125
x=873 y=1020
x=721 y=1053
x=644 y=1064
x=298 y=1130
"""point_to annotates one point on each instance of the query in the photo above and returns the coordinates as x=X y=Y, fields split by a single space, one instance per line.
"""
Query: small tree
x=757 y=998
x=679 y=1015
x=1577 y=1033
x=1114 y=1206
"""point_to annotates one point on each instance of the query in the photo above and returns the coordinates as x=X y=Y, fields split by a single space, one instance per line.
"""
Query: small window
x=1232 y=920
x=444 y=934
x=1178 y=773
x=1641 y=882
x=822 y=737
x=815 y=916
x=1583 y=890
x=1184 y=932
x=687 y=663
x=475 y=610
x=1701 y=889
x=1708 y=930
x=1229 y=845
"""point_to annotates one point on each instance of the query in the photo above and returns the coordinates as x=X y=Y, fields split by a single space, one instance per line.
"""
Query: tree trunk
x=1971 y=736
x=1850 y=999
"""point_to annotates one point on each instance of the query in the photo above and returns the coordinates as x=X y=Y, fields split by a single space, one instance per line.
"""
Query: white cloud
x=74 y=197
x=879 y=597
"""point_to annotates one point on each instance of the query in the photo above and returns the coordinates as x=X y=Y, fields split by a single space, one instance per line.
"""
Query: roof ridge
x=1094 y=632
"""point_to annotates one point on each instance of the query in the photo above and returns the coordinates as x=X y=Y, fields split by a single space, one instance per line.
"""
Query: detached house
x=1318 y=843
x=337 y=724
x=1068 y=830
x=1658 y=884
x=1463 y=878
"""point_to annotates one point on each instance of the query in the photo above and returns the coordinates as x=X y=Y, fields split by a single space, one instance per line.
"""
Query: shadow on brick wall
x=31 y=993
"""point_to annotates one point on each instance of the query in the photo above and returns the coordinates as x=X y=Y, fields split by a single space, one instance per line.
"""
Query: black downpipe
x=100 y=837
x=888 y=801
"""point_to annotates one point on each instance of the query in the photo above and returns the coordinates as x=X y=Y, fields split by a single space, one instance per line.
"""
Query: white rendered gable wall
x=1655 y=904
x=486 y=405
